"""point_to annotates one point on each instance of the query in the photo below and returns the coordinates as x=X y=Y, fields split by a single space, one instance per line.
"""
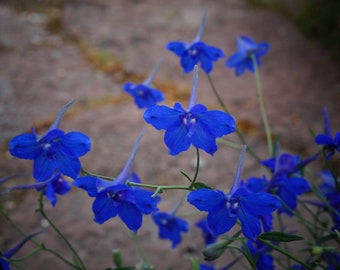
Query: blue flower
x=224 y=209
x=57 y=185
x=287 y=181
x=5 y=256
x=330 y=144
x=114 y=198
x=330 y=192
x=242 y=59
x=144 y=95
x=196 y=52
x=261 y=251
x=332 y=259
x=170 y=227
x=54 y=151
x=208 y=236
x=195 y=125
x=206 y=267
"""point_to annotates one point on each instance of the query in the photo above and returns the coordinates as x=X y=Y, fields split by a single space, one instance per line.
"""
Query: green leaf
x=199 y=185
x=280 y=237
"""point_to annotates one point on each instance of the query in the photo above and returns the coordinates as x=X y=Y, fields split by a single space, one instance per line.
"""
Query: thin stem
x=139 y=247
x=158 y=188
x=196 y=170
x=224 y=107
x=75 y=254
x=262 y=107
x=35 y=242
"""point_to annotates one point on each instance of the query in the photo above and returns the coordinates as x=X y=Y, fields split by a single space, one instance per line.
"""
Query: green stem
x=139 y=247
x=224 y=107
x=79 y=263
x=158 y=188
x=35 y=242
x=286 y=253
x=196 y=170
x=262 y=107
x=86 y=172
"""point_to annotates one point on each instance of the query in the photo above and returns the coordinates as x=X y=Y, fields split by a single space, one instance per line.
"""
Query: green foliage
x=317 y=19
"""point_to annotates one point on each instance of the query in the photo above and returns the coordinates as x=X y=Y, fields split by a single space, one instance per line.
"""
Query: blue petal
x=104 y=208
x=130 y=215
x=214 y=53
x=144 y=200
x=251 y=227
x=235 y=59
x=220 y=221
x=177 y=47
x=50 y=194
x=205 y=199
x=76 y=142
x=202 y=139
x=162 y=117
x=88 y=183
x=68 y=165
x=176 y=140
x=188 y=62
x=25 y=146
x=43 y=168
x=259 y=203
x=324 y=139
x=216 y=122
x=297 y=185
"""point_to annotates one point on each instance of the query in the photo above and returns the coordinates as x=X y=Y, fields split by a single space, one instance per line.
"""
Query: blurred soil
x=85 y=50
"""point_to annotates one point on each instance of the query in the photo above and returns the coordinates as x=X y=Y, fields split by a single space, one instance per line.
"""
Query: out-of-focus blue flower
x=144 y=95
x=117 y=198
x=53 y=152
x=208 y=236
x=329 y=190
x=196 y=52
x=287 y=181
x=224 y=209
x=242 y=59
x=170 y=227
x=332 y=259
x=206 y=267
x=330 y=144
x=57 y=185
x=5 y=256
x=195 y=125
x=261 y=251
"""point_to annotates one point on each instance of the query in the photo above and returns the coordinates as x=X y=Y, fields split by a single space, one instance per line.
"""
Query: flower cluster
x=248 y=206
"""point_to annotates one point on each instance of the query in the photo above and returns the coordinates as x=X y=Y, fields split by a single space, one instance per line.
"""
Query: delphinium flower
x=170 y=226
x=242 y=59
x=114 y=198
x=224 y=209
x=6 y=256
x=261 y=251
x=56 y=185
x=51 y=187
x=53 y=152
x=331 y=193
x=287 y=181
x=208 y=236
x=196 y=52
x=144 y=94
x=196 y=125
x=329 y=143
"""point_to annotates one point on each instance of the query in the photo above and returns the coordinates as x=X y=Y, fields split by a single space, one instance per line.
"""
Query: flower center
x=189 y=120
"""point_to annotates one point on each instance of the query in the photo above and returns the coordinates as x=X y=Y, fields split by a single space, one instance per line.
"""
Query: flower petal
x=162 y=117
x=130 y=215
x=176 y=140
x=259 y=203
x=76 y=142
x=25 y=146
x=104 y=208
x=205 y=199
x=251 y=227
x=87 y=183
x=220 y=221
x=177 y=47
